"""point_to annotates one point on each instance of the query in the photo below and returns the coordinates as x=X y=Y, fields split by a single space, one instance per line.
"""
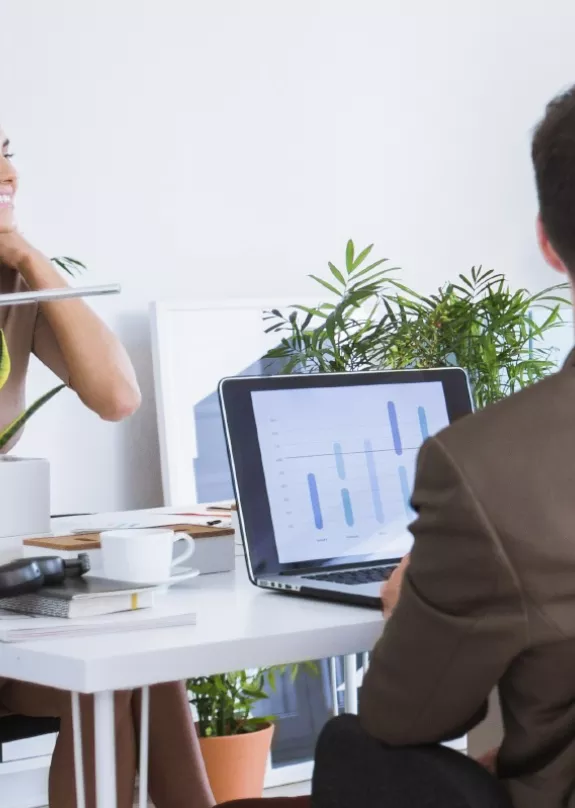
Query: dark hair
x=553 y=154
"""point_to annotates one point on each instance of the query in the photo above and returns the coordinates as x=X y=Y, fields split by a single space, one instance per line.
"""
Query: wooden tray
x=80 y=542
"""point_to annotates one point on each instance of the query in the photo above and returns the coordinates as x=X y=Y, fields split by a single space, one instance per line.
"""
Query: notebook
x=82 y=597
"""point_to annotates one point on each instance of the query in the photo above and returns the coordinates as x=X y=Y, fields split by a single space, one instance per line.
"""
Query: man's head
x=553 y=155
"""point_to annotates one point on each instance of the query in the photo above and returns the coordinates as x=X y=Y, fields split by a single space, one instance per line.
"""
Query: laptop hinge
x=382 y=562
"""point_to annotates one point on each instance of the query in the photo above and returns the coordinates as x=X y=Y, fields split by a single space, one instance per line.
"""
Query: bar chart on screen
x=339 y=464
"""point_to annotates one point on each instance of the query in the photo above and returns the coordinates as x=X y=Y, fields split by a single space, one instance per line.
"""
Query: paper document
x=223 y=505
x=20 y=628
x=99 y=523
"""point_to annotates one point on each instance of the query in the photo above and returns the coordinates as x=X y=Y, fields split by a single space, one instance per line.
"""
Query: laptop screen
x=339 y=465
x=323 y=463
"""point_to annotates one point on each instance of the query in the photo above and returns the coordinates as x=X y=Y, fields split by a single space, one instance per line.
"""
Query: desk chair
x=270 y=802
x=21 y=727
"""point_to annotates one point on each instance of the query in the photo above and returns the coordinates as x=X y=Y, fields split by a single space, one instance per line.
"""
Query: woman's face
x=8 y=185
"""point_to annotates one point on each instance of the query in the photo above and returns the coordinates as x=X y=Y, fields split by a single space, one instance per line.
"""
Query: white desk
x=238 y=627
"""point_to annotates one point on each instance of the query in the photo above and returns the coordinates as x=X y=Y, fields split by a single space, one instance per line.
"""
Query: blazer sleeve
x=459 y=622
x=45 y=347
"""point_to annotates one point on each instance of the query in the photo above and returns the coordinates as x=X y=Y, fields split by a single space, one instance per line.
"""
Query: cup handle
x=188 y=552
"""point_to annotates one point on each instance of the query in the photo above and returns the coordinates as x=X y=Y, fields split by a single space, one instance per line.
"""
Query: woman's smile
x=8 y=185
x=6 y=197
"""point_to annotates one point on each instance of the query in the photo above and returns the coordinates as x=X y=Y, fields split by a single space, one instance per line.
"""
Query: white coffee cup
x=144 y=556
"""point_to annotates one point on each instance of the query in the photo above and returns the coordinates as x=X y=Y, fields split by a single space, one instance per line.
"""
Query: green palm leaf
x=12 y=429
x=71 y=266
x=375 y=321
x=4 y=360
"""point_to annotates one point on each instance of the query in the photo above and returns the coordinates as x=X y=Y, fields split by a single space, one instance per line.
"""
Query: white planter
x=24 y=496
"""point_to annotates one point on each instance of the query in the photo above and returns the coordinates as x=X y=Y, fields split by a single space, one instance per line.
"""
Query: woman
x=71 y=340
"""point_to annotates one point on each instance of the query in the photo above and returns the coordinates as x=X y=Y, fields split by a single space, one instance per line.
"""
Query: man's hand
x=489 y=760
x=391 y=589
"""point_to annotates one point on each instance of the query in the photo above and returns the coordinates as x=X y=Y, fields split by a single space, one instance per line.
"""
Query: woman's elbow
x=122 y=405
x=119 y=403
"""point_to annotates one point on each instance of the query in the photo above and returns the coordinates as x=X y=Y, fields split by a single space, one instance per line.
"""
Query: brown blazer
x=489 y=597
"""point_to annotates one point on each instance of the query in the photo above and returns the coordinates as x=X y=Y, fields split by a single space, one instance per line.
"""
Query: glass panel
x=211 y=467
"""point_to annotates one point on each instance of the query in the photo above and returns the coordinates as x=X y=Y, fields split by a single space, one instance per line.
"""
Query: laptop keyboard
x=367 y=575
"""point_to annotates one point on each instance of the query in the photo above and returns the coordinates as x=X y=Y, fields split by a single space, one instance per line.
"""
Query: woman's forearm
x=99 y=368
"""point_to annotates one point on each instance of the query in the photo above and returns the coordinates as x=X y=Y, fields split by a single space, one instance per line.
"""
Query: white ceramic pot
x=24 y=496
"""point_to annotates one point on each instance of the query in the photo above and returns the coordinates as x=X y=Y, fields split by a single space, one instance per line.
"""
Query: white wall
x=204 y=148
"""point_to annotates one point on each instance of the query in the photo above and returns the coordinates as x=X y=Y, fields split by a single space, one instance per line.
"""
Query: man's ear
x=548 y=250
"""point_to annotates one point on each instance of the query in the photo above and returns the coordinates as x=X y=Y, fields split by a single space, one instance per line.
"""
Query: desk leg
x=350 y=679
x=365 y=662
x=78 y=753
x=106 y=795
x=333 y=684
x=144 y=746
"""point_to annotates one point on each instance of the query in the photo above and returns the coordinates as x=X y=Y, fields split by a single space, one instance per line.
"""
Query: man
x=488 y=596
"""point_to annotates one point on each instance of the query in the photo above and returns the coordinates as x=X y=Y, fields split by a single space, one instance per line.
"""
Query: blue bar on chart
x=347 y=509
x=373 y=481
x=406 y=493
x=339 y=461
x=315 y=504
x=423 y=425
x=394 y=424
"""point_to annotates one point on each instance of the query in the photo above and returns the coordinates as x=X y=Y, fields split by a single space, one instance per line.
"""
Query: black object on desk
x=27 y=575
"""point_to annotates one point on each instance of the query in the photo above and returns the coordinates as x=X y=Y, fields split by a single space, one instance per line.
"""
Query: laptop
x=323 y=468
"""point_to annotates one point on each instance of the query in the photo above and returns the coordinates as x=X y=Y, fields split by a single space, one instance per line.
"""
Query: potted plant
x=25 y=482
x=235 y=744
x=373 y=321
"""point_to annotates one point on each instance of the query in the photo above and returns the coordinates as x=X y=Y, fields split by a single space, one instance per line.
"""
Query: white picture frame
x=194 y=346
x=183 y=378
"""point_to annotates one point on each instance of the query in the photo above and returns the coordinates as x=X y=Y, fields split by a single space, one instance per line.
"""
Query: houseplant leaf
x=336 y=273
x=71 y=266
x=477 y=322
x=4 y=360
x=12 y=429
x=349 y=256
x=359 y=259
x=327 y=285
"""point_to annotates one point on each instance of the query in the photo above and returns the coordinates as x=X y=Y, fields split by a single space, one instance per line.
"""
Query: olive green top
x=27 y=331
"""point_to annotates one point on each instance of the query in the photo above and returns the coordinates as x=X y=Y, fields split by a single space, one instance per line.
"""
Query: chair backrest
x=20 y=727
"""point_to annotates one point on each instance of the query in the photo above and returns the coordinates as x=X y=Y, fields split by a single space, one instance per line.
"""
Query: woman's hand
x=14 y=249
x=391 y=589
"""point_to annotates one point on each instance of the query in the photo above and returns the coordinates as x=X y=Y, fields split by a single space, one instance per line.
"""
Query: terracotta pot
x=236 y=764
